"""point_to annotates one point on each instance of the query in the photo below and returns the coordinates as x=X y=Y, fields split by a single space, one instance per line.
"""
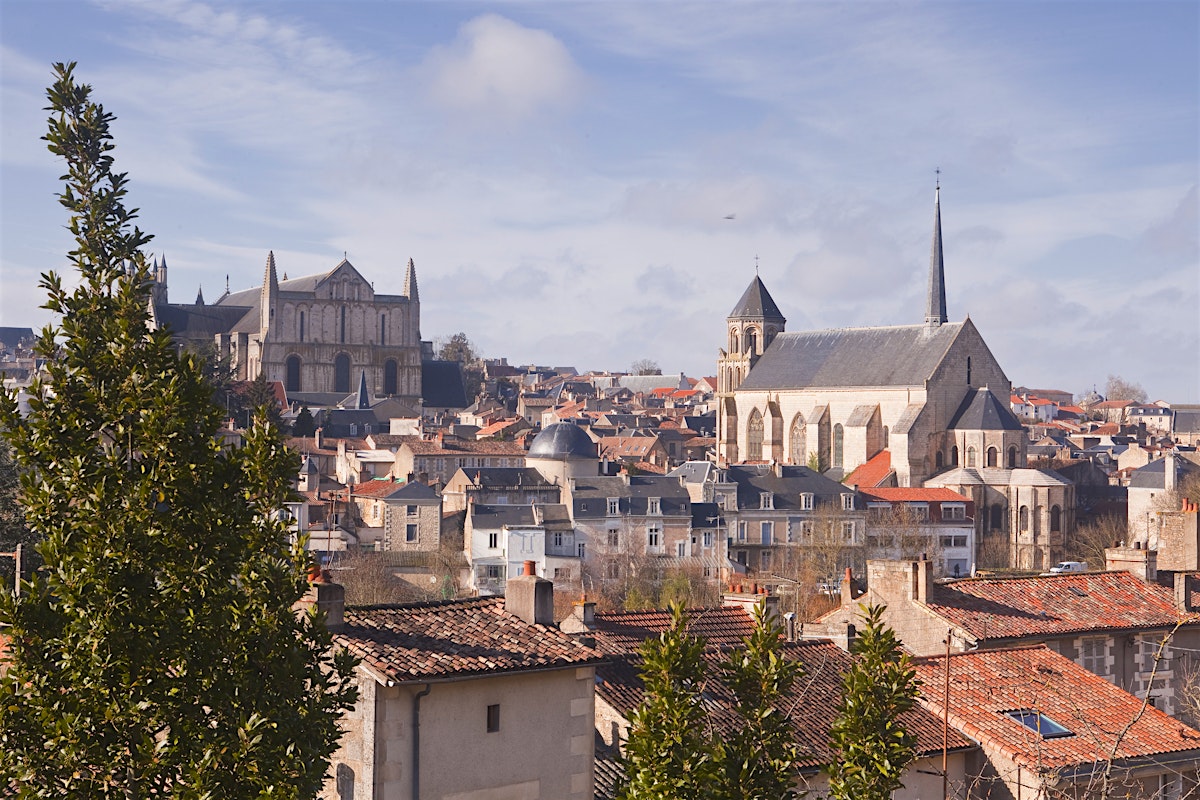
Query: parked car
x=1069 y=566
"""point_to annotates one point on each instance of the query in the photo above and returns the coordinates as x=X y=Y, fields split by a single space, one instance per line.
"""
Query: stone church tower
x=752 y=325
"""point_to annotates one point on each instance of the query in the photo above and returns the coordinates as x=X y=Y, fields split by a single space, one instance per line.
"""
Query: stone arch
x=797 y=441
x=1012 y=457
x=751 y=338
x=954 y=456
x=754 y=436
x=970 y=456
x=939 y=460
x=1023 y=519
x=839 y=445
x=291 y=379
x=1055 y=519
x=992 y=456
x=341 y=373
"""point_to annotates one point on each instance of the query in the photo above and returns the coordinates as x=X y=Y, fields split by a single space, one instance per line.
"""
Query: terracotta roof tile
x=873 y=473
x=1105 y=721
x=1055 y=605
x=914 y=494
x=456 y=638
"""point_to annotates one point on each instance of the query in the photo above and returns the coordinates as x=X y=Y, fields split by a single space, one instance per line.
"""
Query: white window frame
x=806 y=501
x=847 y=502
x=766 y=500
x=654 y=537
x=614 y=506
x=654 y=506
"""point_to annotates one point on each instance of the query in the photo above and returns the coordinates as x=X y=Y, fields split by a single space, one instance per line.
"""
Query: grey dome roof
x=560 y=441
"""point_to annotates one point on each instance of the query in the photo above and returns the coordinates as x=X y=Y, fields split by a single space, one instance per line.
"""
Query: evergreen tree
x=873 y=748
x=158 y=655
x=259 y=398
x=760 y=757
x=304 y=425
x=670 y=754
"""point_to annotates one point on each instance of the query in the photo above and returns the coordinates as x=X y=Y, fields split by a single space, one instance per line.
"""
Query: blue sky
x=561 y=173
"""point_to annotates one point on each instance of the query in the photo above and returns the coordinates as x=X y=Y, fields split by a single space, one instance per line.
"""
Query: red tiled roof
x=872 y=473
x=812 y=705
x=1056 y=605
x=456 y=638
x=915 y=495
x=375 y=488
x=1107 y=722
x=1108 y=429
x=1113 y=404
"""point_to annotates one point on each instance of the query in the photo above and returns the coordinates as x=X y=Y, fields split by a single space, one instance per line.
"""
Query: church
x=318 y=334
x=927 y=399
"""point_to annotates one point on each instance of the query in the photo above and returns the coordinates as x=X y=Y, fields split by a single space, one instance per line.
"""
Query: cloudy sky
x=593 y=183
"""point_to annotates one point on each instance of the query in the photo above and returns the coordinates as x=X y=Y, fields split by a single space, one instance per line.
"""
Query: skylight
x=1039 y=723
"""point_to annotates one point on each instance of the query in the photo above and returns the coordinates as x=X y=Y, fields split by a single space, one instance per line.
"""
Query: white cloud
x=498 y=69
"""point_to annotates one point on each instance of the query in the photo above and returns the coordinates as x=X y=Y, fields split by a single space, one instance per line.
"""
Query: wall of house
x=428 y=519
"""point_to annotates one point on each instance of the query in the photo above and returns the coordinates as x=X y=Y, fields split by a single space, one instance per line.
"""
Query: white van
x=1068 y=566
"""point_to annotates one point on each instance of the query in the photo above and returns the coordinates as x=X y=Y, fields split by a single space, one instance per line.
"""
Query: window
x=301 y=337
x=708 y=538
x=968 y=369
x=493 y=718
x=1149 y=650
x=1093 y=654
x=754 y=437
x=797 y=442
x=954 y=511
x=341 y=373
x=838 y=445
x=390 y=384
x=806 y=527
x=581 y=550
x=613 y=570
x=614 y=539
x=493 y=541
x=848 y=531
x=681 y=549
x=806 y=501
x=1023 y=518
x=614 y=506
x=847 y=502
x=292 y=374
x=653 y=506
x=383 y=329
x=954 y=541
x=561 y=573
x=493 y=572
x=970 y=456
x=654 y=536
x=342 y=328
x=954 y=456
x=1055 y=518
x=1038 y=723
x=992 y=456
x=741 y=529
x=767 y=531
x=765 y=500
x=764 y=559
x=558 y=538
x=1012 y=458
x=410 y=533
x=410 y=510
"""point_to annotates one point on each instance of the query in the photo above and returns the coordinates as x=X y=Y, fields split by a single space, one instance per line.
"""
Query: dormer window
x=654 y=506
x=614 y=506
x=847 y=502
x=952 y=511
x=806 y=501
x=766 y=500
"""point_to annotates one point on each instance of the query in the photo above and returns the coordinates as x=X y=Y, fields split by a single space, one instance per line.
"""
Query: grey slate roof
x=1185 y=420
x=442 y=385
x=562 y=440
x=757 y=302
x=495 y=516
x=902 y=355
x=192 y=321
x=1151 y=476
x=981 y=410
x=506 y=477
x=13 y=336
x=754 y=479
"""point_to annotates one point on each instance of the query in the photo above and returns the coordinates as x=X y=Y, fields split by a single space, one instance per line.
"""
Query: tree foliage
x=1118 y=388
x=673 y=752
x=873 y=748
x=158 y=654
x=458 y=348
x=645 y=366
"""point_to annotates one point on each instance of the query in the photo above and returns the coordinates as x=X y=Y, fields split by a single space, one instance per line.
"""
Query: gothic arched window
x=754 y=437
x=1055 y=518
x=796 y=441
x=939 y=460
x=341 y=373
x=389 y=376
x=954 y=456
x=1023 y=518
x=970 y=456
x=838 y=444
x=291 y=380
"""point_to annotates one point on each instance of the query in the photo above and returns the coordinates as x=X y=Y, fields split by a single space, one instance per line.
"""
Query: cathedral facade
x=316 y=334
x=930 y=394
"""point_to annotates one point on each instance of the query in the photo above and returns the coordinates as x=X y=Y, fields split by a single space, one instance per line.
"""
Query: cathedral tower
x=752 y=325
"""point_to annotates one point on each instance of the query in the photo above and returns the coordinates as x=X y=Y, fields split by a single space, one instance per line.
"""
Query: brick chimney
x=324 y=596
x=529 y=597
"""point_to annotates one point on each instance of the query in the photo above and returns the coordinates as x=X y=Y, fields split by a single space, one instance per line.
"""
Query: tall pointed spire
x=364 y=401
x=410 y=282
x=270 y=292
x=935 y=306
x=200 y=296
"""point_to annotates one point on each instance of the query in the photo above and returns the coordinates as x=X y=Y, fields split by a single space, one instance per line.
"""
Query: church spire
x=935 y=307
x=410 y=282
x=363 y=401
x=270 y=292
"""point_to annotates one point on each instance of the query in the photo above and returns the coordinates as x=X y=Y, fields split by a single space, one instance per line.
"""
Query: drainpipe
x=416 y=761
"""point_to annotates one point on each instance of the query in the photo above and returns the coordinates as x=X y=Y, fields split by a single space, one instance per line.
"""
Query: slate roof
x=1185 y=421
x=1153 y=474
x=442 y=385
x=754 y=479
x=455 y=639
x=506 y=477
x=998 y=476
x=1106 y=722
x=193 y=321
x=757 y=302
x=12 y=336
x=903 y=355
x=1056 y=605
x=485 y=447
x=562 y=440
x=497 y=516
x=812 y=705
x=982 y=411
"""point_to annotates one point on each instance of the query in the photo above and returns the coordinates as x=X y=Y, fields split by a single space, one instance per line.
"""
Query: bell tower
x=751 y=327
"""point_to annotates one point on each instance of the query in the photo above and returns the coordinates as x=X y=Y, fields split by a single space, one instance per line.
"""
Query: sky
x=593 y=183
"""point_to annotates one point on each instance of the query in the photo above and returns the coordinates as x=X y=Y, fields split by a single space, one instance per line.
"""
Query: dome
x=560 y=441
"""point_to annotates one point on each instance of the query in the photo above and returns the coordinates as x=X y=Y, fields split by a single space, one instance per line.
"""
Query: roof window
x=1039 y=723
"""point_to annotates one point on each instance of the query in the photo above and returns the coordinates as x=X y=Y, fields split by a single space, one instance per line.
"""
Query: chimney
x=324 y=597
x=1138 y=560
x=1183 y=600
x=1169 y=472
x=848 y=587
x=529 y=597
x=789 y=625
x=585 y=612
x=922 y=580
x=318 y=437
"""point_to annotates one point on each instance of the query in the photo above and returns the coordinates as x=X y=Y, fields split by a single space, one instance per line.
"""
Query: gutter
x=416 y=760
